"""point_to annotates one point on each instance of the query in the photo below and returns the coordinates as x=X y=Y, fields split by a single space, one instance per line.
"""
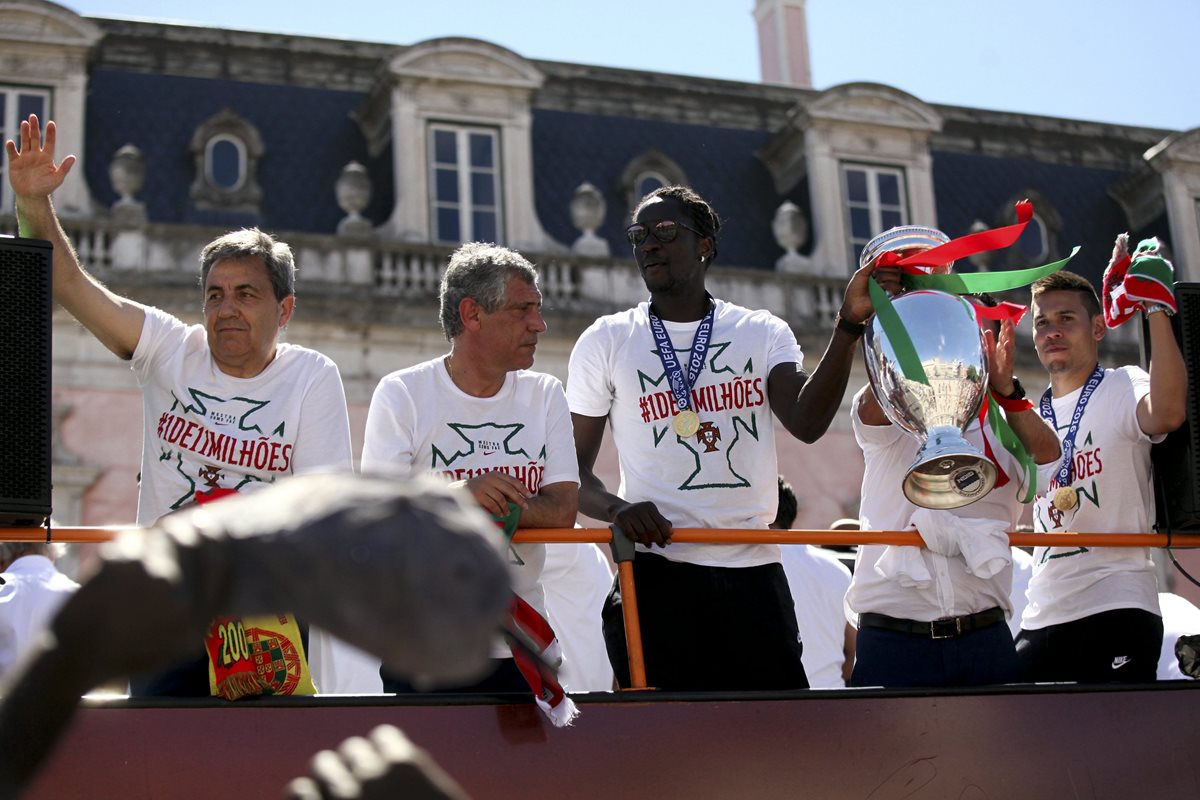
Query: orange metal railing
x=623 y=553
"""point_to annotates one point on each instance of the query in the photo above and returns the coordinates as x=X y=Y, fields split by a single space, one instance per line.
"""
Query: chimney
x=783 y=42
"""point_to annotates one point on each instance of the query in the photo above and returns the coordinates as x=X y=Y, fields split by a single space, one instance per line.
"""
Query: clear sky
x=1134 y=62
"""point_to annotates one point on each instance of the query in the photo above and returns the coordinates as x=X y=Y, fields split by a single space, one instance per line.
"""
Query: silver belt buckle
x=943 y=629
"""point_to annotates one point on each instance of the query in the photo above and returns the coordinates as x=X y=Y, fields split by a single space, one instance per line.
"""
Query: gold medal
x=1065 y=499
x=686 y=423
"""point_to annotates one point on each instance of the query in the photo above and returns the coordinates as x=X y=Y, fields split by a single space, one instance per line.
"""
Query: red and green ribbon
x=963 y=246
x=1012 y=443
x=976 y=283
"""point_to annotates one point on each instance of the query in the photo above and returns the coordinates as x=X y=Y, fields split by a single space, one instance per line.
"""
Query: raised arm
x=114 y=320
x=807 y=404
x=1165 y=408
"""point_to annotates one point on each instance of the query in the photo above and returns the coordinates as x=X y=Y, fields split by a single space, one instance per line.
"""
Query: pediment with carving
x=466 y=60
x=874 y=104
x=40 y=22
x=1178 y=148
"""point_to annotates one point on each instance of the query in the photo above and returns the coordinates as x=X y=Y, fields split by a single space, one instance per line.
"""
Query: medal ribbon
x=1066 y=470
x=681 y=386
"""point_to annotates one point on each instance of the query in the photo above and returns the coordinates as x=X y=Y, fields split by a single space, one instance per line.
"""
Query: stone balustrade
x=390 y=272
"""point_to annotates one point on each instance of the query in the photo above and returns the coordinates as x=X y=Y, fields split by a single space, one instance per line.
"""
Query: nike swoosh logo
x=1120 y=661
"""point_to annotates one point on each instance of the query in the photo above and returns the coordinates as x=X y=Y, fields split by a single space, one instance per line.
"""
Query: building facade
x=375 y=160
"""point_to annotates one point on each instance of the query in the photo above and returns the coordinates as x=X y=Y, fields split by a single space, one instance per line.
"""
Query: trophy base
x=948 y=473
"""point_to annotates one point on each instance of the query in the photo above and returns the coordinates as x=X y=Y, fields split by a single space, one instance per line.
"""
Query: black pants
x=1119 y=646
x=978 y=658
x=709 y=628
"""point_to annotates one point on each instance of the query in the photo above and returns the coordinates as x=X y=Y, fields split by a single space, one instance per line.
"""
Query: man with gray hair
x=227 y=407
x=479 y=417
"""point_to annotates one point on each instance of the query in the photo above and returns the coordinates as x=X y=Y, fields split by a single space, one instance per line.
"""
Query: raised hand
x=856 y=303
x=31 y=168
x=1000 y=351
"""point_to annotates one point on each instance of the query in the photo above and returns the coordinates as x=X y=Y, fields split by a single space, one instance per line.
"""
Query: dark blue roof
x=308 y=136
x=720 y=163
x=971 y=186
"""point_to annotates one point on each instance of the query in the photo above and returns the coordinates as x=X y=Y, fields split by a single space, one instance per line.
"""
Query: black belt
x=944 y=628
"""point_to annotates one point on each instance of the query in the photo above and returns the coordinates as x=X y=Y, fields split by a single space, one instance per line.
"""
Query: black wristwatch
x=855 y=329
x=1018 y=392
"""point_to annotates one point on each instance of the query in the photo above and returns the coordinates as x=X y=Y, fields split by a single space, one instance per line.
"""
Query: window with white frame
x=16 y=104
x=464 y=173
x=875 y=200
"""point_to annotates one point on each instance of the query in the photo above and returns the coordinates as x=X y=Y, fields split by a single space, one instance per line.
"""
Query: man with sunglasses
x=688 y=383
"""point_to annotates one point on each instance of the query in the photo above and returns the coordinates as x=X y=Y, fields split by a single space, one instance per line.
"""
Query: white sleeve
x=388 y=445
x=1139 y=384
x=561 y=462
x=871 y=437
x=782 y=345
x=323 y=441
x=162 y=334
x=590 y=387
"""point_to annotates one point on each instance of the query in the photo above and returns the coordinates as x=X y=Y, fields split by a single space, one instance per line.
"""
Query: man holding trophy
x=935 y=616
x=1093 y=613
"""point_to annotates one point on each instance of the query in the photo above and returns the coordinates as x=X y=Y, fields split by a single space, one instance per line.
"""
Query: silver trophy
x=948 y=472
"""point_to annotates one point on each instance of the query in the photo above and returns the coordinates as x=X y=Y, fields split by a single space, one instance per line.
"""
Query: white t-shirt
x=30 y=596
x=888 y=453
x=1022 y=572
x=577 y=578
x=819 y=580
x=725 y=476
x=205 y=430
x=419 y=420
x=1112 y=482
x=1180 y=618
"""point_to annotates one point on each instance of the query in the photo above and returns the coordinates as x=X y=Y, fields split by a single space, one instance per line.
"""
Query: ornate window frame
x=463 y=82
x=862 y=123
x=650 y=163
x=206 y=193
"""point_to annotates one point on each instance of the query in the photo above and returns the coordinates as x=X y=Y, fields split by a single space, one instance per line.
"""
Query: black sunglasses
x=665 y=231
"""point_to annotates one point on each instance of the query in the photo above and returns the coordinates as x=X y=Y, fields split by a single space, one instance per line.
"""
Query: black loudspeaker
x=25 y=307
x=1177 y=458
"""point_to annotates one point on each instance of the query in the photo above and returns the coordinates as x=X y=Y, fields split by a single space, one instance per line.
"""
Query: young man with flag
x=1093 y=613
